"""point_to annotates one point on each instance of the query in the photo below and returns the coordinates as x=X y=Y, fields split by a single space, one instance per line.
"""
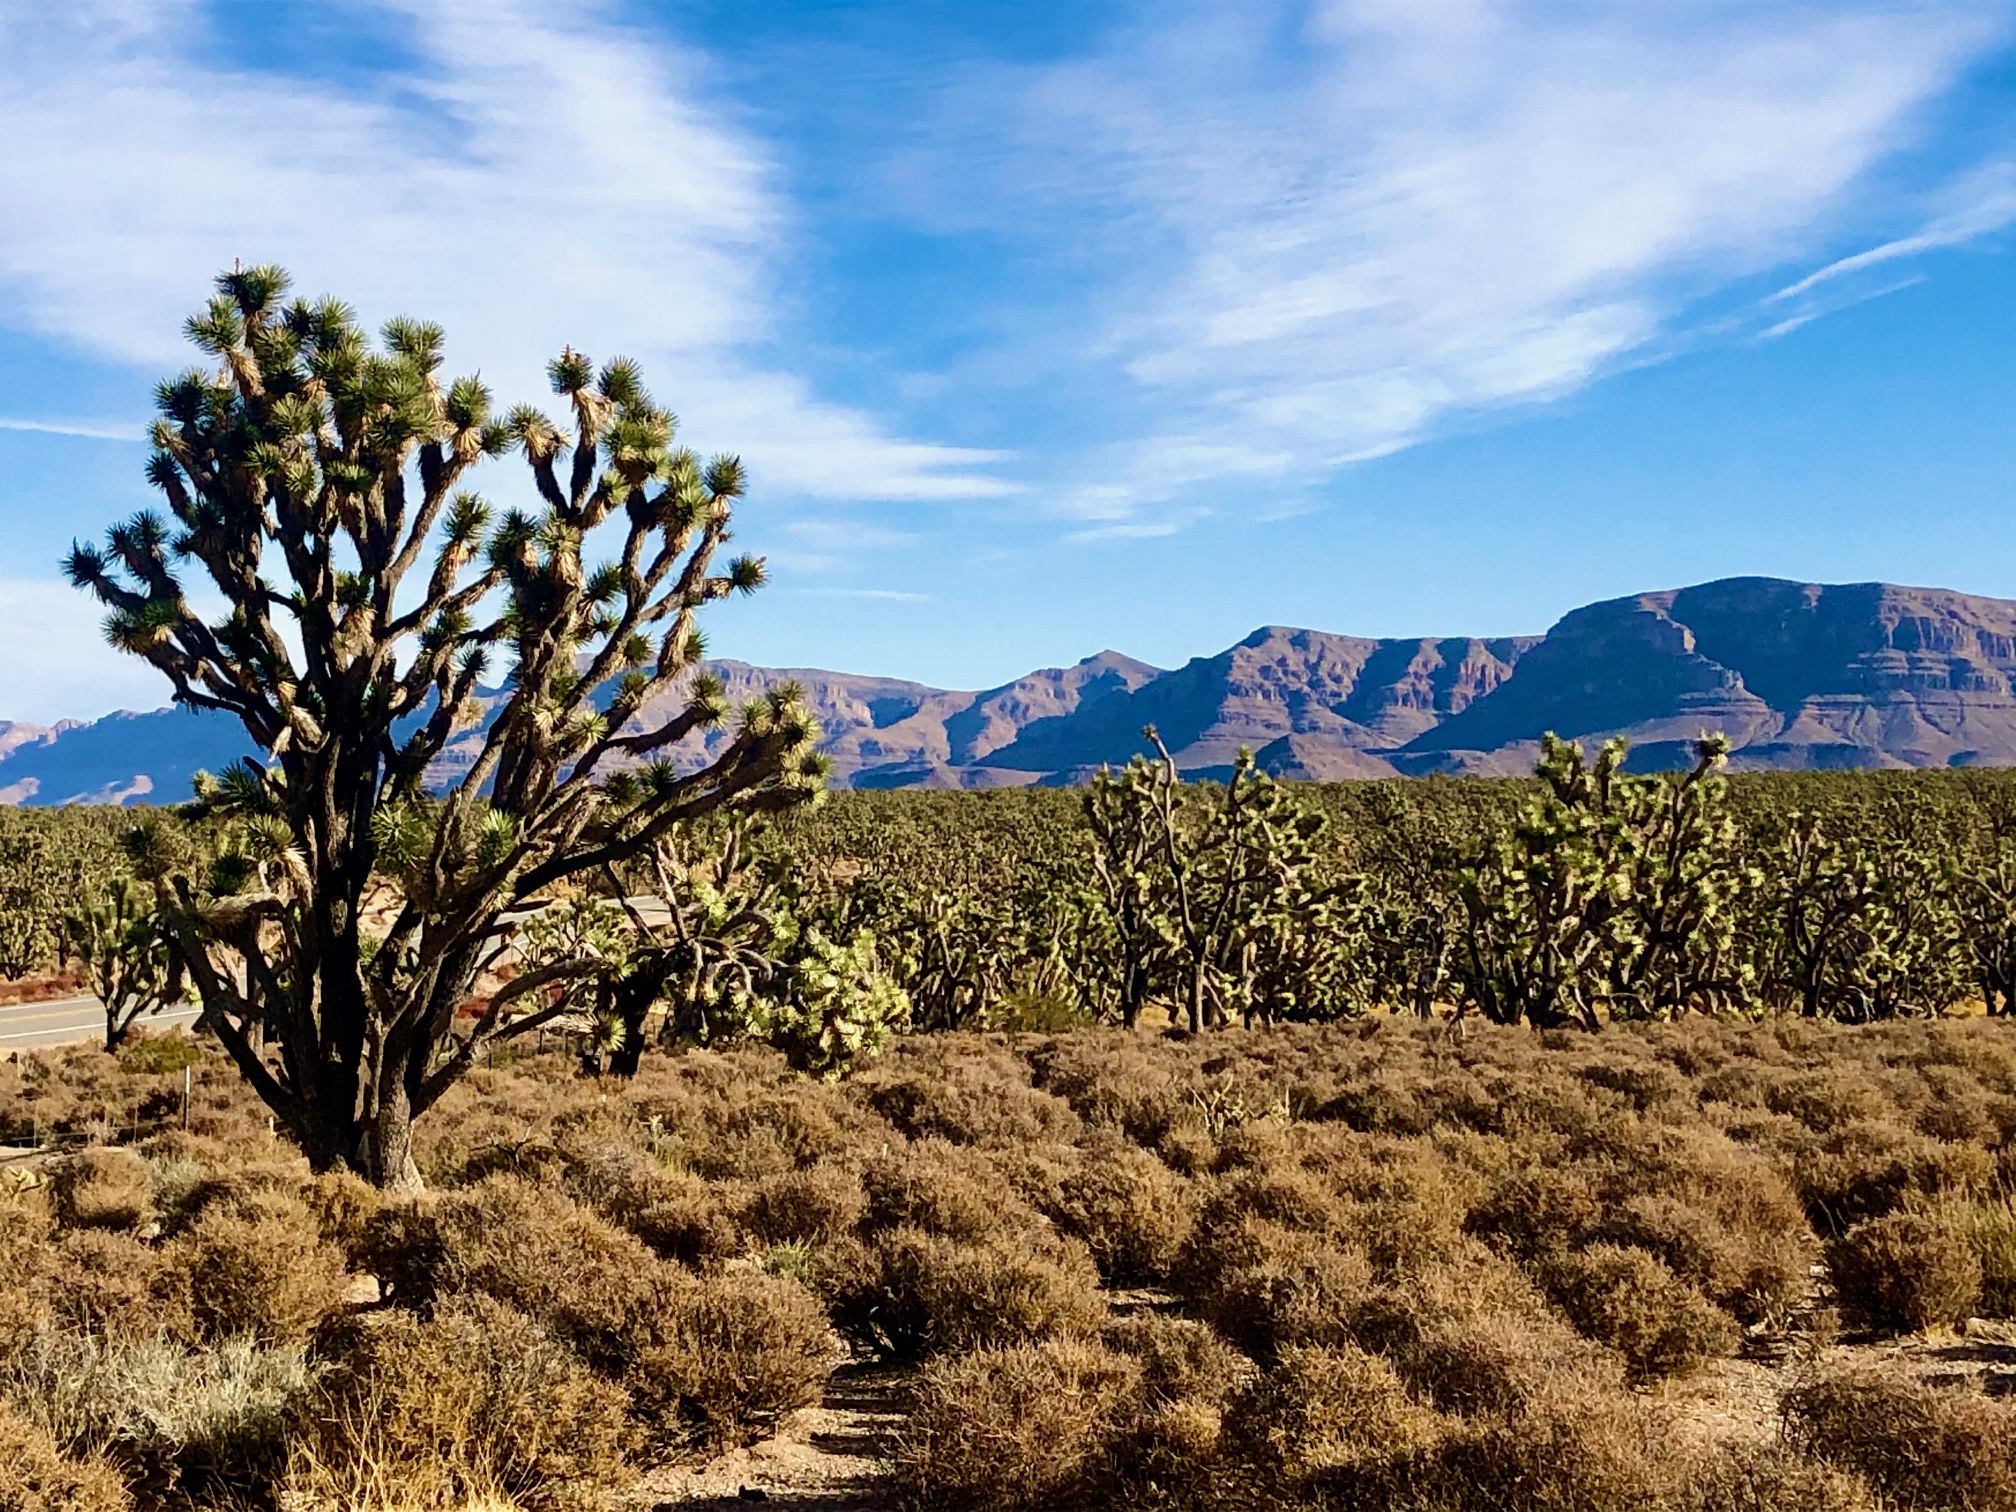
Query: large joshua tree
x=316 y=482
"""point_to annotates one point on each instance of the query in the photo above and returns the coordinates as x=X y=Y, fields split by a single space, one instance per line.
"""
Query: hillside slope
x=1798 y=675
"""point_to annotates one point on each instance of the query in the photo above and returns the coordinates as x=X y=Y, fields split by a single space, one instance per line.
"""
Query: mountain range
x=1798 y=675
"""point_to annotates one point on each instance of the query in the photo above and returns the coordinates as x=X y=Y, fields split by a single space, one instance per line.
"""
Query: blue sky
x=1052 y=327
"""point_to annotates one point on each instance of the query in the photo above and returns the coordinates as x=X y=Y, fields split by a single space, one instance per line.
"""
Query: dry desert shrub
x=1919 y=1446
x=1115 y=1082
x=744 y=1115
x=1628 y=1300
x=1570 y=1451
x=817 y=1205
x=945 y=1190
x=1336 y=1415
x=1869 y=1170
x=1171 y=1433
x=1990 y=1227
x=1300 y=1291
x=476 y=1402
x=1130 y=1210
x=103 y=1187
x=26 y=1229
x=178 y=1421
x=733 y=1353
x=36 y=1476
x=341 y=1204
x=679 y=1215
x=113 y=1285
x=1770 y=1478
x=965 y=1089
x=1485 y=1362
x=913 y=1293
x=257 y=1265
x=1026 y=1426
x=1906 y=1272
x=596 y=1288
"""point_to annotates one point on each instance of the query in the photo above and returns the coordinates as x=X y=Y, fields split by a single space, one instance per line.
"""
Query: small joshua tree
x=1196 y=882
x=115 y=934
x=316 y=483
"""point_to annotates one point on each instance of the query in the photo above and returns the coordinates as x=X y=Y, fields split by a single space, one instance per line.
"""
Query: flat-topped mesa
x=1796 y=674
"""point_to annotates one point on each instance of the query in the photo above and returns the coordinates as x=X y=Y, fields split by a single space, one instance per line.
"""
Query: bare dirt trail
x=832 y=1458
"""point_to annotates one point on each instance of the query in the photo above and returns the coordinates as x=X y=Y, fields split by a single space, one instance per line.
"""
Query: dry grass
x=1393 y=1270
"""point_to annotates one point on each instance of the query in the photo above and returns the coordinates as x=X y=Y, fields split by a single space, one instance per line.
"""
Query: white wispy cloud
x=95 y=430
x=47 y=673
x=891 y=595
x=538 y=174
x=1986 y=203
x=829 y=544
x=1326 y=247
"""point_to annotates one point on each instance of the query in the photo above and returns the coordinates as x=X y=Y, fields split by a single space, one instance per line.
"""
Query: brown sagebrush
x=1171 y=1431
x=475 y=1402
x=1771 y=1477
x=595 y=1287
x=104 y=1186
x=945 y=1190
x=813 y=1206
x=1905 y=1272
x=1568 y=1451
x=1628 y=1300
x=113 y=1284
x=913 y=1293
x=679 y=1215
x=36 y=1476
x=341 y=1203
x=1131 y=1211
x=731 y=1354
x=1869 y=1170
x=1020 y=1427
x=1335 y=1415
x=1920 y=1446
x=1990 y=1227
x=967 y=1091
x=1301 y=1291
x=258 y=1266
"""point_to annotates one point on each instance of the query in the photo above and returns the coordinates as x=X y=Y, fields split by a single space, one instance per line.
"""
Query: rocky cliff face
x=1796 y=674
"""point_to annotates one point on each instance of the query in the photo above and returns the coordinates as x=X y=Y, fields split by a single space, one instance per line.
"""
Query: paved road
x=64 y=1021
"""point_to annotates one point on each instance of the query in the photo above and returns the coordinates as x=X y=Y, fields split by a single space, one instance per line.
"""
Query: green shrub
x=182 y=1422
x=166 y=1054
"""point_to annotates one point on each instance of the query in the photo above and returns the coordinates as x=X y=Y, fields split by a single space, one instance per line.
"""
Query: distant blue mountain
x=1797 y=675
x=122 y=758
